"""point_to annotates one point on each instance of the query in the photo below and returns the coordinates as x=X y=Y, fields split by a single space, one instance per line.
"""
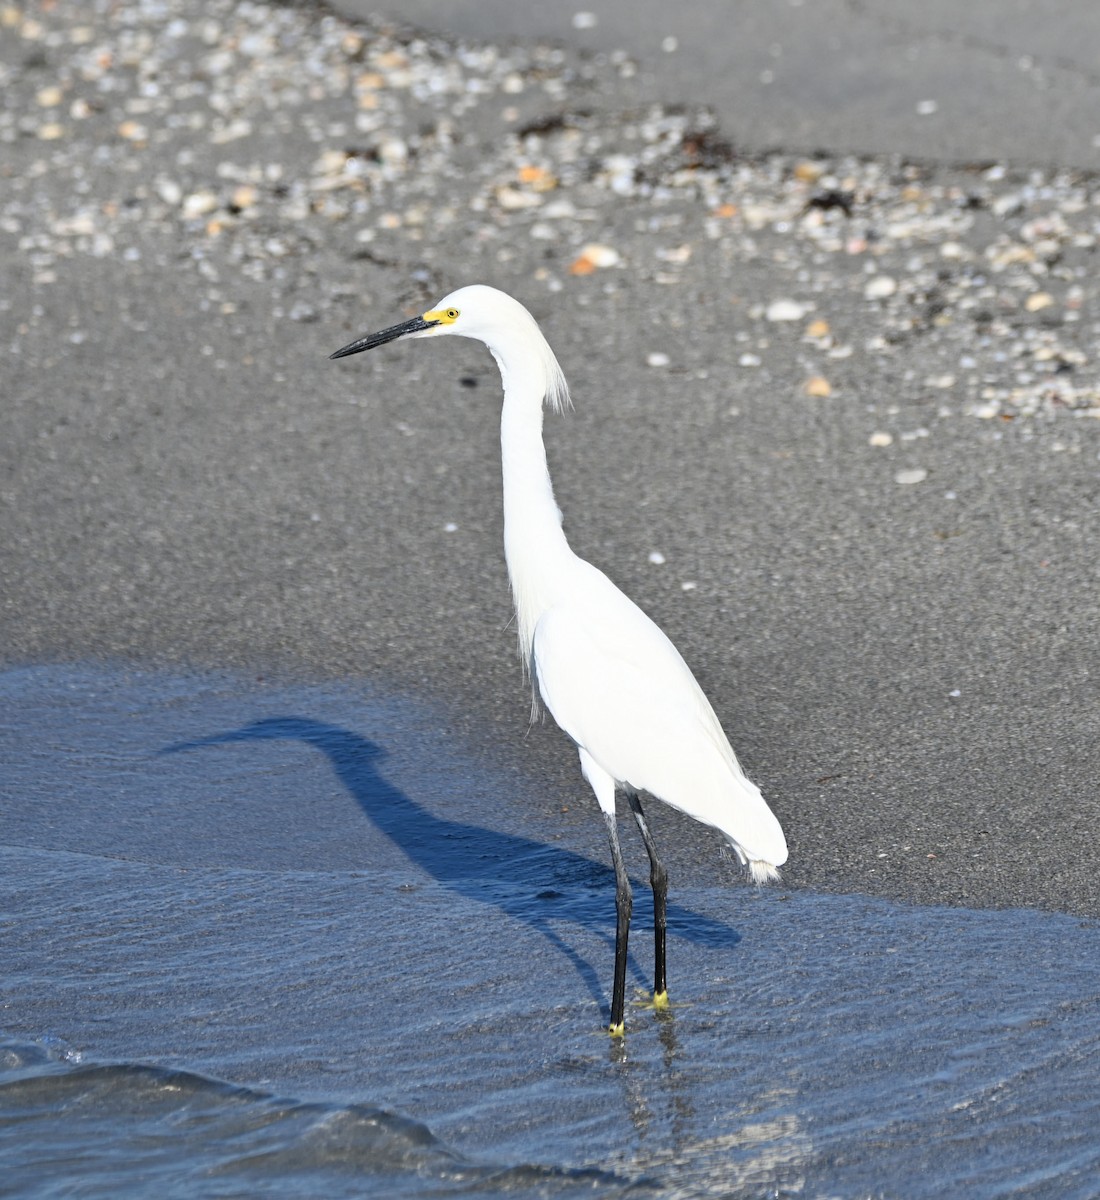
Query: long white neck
x=534 y=543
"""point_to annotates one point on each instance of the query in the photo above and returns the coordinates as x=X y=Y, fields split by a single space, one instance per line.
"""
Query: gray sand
x=850 y=402
x=978 y=82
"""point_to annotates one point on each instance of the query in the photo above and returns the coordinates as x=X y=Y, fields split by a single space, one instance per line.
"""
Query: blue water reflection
x=532 y=882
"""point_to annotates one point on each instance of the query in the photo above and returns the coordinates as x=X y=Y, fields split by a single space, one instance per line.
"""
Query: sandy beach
x=834 y=427
x=294 y=899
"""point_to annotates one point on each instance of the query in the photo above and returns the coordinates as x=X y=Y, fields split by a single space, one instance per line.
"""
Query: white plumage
x=609 y=676
x=620 y=689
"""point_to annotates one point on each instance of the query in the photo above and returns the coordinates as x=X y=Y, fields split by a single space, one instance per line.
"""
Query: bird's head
x=486 y=315
x=476 y=312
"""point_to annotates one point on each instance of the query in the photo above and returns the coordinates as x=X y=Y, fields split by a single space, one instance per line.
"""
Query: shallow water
x=258 y=941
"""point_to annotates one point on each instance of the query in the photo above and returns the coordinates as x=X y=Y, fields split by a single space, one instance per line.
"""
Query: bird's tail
x=762 y=872
x=755 y=834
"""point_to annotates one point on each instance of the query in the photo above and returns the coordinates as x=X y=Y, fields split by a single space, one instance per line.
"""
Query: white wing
x=619 y=688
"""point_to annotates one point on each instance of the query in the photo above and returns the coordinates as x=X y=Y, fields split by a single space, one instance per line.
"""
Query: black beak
x=386 y=335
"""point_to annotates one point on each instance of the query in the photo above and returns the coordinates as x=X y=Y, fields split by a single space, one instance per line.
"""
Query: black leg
x=658 y=879
x=624 y=902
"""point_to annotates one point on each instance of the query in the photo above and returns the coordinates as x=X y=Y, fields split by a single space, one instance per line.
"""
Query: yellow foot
x=617 y=1031
x=655 y=1002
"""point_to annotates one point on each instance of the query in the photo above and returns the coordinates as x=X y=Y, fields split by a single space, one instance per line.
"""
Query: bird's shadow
x=541 y=885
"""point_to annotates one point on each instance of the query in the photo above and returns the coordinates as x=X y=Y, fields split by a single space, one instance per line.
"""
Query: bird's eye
x=452 y=314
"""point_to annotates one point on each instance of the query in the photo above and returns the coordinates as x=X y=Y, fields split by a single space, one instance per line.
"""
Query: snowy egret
x=609 y=676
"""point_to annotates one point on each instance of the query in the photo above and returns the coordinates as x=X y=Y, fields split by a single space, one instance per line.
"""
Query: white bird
x=611 y=678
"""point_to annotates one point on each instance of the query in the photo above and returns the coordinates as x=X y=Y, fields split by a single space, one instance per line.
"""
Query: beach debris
x=171 y=147
x=785 y=310
x=817 y=385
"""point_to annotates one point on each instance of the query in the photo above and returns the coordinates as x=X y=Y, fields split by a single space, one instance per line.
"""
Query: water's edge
x=216 y=894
